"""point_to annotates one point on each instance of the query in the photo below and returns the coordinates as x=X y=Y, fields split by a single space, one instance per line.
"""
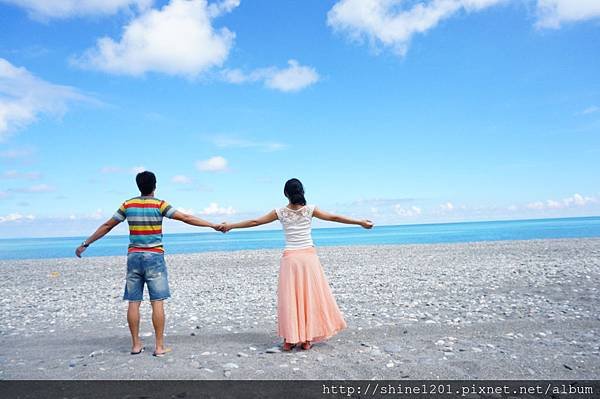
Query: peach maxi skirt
x=306 y=308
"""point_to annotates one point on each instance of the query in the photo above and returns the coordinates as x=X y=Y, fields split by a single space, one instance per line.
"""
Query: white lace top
x=296 y=226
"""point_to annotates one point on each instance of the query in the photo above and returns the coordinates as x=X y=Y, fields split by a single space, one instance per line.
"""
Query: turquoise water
x=36 y=248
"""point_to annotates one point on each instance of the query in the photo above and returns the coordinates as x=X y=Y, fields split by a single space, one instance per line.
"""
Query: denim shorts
x=149 y=268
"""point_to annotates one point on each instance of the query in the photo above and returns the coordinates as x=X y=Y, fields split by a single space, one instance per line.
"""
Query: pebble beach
x=493 y=310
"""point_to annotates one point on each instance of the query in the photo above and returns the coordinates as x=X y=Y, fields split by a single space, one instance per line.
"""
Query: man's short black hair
x=146 y=182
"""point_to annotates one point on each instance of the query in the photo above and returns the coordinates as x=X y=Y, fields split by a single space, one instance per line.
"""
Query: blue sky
x=397 y=111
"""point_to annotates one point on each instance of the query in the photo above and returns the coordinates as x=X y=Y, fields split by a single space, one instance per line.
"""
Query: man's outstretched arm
x=98 y=234
x=195 y=221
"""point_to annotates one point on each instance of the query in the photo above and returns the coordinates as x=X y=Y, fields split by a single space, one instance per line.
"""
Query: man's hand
x=367 y=224
x=218 y=227
x=98 y=234
x=226 y=227
x=80 y=250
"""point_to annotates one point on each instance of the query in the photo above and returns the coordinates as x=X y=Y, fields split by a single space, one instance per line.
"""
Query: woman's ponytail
x=294 y=191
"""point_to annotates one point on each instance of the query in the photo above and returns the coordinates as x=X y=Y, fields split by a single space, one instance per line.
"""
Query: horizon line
x=338 y=227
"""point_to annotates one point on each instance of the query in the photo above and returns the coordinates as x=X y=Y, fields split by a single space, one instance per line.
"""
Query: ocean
x=59 y=247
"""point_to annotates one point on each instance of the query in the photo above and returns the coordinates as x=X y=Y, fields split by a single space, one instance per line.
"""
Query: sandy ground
x=501 y=310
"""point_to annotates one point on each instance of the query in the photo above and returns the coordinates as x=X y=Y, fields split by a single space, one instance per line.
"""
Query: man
x=145 y=258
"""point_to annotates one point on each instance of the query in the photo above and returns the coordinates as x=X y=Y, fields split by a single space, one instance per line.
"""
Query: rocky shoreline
x=494 y=310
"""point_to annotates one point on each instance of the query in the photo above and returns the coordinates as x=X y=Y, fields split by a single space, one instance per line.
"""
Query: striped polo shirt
x=144 y=215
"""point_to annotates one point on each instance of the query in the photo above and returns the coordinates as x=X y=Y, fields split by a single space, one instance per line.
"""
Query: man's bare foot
x=287 y=346
x=306 y=345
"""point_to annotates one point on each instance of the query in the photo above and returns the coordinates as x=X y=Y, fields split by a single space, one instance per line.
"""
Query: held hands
x=223 y=227
x=226 y=227
x=218 y=227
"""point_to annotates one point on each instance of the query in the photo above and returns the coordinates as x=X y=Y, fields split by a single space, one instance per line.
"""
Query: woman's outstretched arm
x=367 y=224
x=268 y=218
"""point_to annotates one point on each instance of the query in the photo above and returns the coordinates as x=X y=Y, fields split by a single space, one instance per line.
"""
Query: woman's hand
x=225 y=227
x=367 y=224
x=218 y=227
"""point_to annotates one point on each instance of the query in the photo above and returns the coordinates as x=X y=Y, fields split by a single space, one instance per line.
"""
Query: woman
x=306 y=309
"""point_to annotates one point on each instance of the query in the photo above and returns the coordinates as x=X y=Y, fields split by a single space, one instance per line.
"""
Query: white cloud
x=448 y=206
x=23 y=97
x=38 y=188
x=237 y=76
x=590 y=110
x=408 y=211
x=537 y=205
x=19 y=153
x=223 y=141
x=178 y=39
x=574 y=201
x=553 y=13
x=186 y=211
x=223 y=7
x=96 y=215
x=215 y=209
x=15 y=217
x=554 y=204
x=393 y=23
x=134 y=170
x=380 y=201
x=13 y=174
x=293 y=78
x=579 y=200
x=43 y=9
x=181 y=179
x=214 y=164
x=110 y=169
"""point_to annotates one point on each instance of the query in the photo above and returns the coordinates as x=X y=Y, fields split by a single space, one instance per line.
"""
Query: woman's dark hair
x=146 y=182
x=294 y=191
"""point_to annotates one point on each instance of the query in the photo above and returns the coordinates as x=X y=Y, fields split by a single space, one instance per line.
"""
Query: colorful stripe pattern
x=144 y=215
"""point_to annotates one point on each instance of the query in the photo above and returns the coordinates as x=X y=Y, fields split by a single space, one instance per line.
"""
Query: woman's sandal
x=287 y=346
x=306 y=345
x=162 y=354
